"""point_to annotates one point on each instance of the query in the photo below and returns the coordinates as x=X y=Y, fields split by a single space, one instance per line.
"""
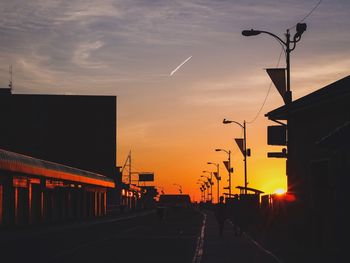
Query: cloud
x=88 y=11
x=82 y=54
x=119 y=42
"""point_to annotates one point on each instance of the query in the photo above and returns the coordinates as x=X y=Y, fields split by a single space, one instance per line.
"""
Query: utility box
x=277 y=135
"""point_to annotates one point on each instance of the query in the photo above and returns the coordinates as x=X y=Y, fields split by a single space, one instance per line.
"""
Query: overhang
x=15 y=162
x=334 y=90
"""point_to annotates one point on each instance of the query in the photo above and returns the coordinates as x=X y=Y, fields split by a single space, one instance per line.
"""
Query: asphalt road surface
x=142 y=238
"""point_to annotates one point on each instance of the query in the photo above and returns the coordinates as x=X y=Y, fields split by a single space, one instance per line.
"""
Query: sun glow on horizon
x=280 y=191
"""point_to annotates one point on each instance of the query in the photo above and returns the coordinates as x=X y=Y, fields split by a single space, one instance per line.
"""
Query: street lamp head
x=252 y=32
x=301 y=28
x=226 y=121
x=218 y=150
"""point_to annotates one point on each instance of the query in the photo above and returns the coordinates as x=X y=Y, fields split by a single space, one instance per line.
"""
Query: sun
x=280 y=191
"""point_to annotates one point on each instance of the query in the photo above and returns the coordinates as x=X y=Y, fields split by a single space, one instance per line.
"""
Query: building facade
x=75 y=130
x=35 y=191
x=318 y=161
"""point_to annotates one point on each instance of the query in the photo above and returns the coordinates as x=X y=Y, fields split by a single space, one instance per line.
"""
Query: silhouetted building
x=149 y=193
x=130 y=196
x=37 y=191
x=74 y=130
x=318 y=160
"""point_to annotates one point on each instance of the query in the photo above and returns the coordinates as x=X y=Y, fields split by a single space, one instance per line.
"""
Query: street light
x=208 y=184
x=217 y=177
x=300 y=29
x=201 y=189
x=205 y=186
x=228 y=168
x=202 y=193
x=244 y=150
x=180 y=188
x=211 y=184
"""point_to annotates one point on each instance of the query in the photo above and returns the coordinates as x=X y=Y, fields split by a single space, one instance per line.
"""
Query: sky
x=173 y=122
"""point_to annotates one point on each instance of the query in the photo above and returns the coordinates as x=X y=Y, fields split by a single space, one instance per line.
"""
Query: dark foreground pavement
x=133 y=238
x=231 y=248
x=142 y=237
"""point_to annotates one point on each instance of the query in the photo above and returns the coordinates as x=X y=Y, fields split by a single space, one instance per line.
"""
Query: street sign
x=282 y=154
x=146 y=177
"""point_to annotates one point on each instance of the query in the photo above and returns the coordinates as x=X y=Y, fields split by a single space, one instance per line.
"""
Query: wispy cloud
x=128 y=47
x=134 y=41
x=82 y=54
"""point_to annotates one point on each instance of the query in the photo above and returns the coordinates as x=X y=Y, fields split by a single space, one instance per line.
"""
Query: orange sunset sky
x=173 y=123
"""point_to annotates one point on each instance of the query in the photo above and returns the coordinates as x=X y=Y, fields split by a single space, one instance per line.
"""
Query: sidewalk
x=229 y=248
x=14 y=232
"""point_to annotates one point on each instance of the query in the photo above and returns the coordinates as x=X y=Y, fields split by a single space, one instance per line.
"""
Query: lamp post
x=204 y=187
x=229 y=168
x=201 y=189
x=244 y=150
x=300 y=29
x=287 y=97
x=180 y=188
x=217 y=178
x=202 y=193
x=211 y=184
x=208 y=185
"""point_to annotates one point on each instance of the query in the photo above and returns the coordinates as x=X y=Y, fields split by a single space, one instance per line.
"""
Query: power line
x=279 y=58
x=268 y=92
x=308 y=14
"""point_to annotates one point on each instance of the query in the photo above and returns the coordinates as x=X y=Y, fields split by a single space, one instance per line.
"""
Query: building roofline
x=5 y=91
x=256 y=191
x=28 y=165
x=336 y=89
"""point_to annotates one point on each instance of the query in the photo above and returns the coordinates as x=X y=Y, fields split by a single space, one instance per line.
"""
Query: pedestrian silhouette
x=221 y=214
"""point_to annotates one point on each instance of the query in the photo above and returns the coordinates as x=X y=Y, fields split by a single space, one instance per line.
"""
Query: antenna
x=10 y=81
x=128 y=164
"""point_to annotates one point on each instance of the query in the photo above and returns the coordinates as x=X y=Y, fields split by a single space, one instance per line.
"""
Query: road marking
x=259 y=246
x=200 y=242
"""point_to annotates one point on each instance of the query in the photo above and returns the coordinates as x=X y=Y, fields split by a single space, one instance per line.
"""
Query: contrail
x=179 y=66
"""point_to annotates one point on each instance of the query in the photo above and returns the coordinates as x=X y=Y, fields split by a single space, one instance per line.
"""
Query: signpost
x=146 y=177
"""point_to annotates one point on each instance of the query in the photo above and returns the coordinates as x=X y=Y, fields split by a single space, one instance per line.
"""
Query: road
x=142 y=238
x=180 y=237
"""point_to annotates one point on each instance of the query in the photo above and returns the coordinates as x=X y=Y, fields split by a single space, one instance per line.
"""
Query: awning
x=15 y=162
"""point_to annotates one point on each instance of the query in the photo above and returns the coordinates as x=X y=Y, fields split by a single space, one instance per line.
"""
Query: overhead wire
x=267 y=94
x=308 y=14
x=279 y=58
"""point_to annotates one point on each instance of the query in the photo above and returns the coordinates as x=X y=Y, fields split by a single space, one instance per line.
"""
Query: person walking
x=221 y=214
